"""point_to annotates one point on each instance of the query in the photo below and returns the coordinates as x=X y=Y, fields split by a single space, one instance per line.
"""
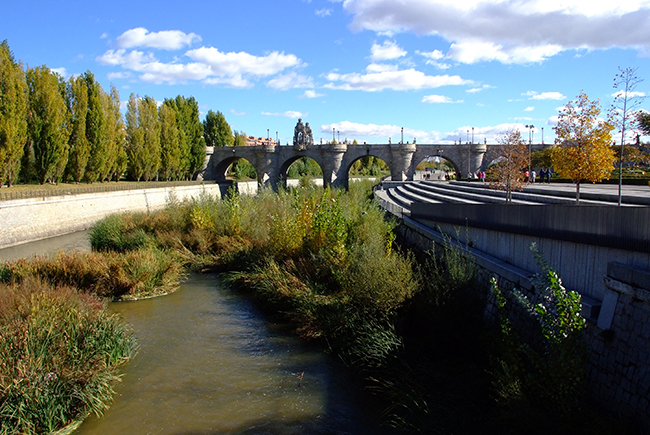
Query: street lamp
x=333 y=137
x=402 y=136
x=530 y=148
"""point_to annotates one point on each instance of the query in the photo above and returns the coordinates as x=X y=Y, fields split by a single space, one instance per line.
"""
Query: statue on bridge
x=302 y=135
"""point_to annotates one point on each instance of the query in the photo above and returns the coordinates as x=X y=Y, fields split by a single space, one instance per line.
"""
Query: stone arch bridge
x=272 y=161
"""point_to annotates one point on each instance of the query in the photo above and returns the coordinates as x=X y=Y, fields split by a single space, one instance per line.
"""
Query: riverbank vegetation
x=60 y=350
x=409 y=327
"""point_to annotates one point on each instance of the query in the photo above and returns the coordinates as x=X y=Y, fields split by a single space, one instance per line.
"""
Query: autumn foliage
x=584 y=141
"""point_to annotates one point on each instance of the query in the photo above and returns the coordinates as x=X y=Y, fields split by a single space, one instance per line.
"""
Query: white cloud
x=291 y=80
x=529 y=109
x=310 y=93
x=479 y=89
x=164 y=40
x=521 y=31
x=323 y=12
x=288 y=114
x=210 y=66
x=544 y=95
x=401 y=80
x=60 y=71
x=433 y=58
x=438 y=99
x=387 y=51
x=236 y=113
x=380 y=67
x=233 y=64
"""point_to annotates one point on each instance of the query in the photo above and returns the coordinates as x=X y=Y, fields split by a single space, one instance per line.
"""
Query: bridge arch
x=286 y=165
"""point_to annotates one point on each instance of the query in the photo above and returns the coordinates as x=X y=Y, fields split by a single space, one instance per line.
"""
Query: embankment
x=27 y=220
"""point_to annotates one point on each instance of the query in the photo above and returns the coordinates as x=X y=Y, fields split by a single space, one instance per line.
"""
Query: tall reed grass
x=59 y=351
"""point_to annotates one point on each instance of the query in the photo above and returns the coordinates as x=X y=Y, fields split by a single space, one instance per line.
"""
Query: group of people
x=544 y=175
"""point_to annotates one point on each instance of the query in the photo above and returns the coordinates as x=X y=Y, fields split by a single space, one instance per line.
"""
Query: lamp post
x=402 y=136
x=333 y=137
x=530 y=148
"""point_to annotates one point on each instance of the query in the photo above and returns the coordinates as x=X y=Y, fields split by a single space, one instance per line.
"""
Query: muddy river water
x=210 y=363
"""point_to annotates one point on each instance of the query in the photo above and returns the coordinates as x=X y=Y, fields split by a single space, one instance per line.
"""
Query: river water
x=210 y=363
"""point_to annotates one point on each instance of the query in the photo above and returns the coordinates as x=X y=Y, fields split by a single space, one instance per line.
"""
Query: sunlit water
x=210 y=363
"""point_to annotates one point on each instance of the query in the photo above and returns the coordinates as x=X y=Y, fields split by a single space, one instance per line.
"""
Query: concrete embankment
x=26 y=220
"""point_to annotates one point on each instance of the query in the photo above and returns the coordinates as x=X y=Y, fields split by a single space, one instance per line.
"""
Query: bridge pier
x=401 y=165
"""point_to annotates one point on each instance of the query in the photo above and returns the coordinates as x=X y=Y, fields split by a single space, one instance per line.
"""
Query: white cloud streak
x=400 y=80
x=164 y=40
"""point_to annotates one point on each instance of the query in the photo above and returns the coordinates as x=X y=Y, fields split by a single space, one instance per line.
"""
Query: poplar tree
x=48 y=124
x=191 y=134
x=170 y=151
x=134 y=140
x=148 y=120
x=115 y=136
x=216 y=130
x=96 y=130
x=77 y=99
x=13 y=115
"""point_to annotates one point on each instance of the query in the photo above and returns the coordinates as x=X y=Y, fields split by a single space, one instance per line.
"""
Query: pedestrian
x=526 y=176
x=533 y=175
x=549 y=172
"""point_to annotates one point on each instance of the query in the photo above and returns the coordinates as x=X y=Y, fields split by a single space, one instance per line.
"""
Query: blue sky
x=367 y=68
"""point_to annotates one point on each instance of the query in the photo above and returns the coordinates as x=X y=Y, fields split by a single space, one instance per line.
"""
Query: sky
x=442 y=70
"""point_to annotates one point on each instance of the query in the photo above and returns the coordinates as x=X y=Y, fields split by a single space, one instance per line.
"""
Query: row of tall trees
x=54 y=130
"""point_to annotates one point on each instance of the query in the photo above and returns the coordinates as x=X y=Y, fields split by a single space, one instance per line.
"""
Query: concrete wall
x=26 y=220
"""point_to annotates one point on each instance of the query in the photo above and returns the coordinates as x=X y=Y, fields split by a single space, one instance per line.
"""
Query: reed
x=59 y=350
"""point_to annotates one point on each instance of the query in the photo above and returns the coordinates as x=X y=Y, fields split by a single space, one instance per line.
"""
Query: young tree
x=13 y=115
x=626 y=102
x=511 y=158
x=216 y=130
x=77 y=99
x=170 y=151
x=48 y=124
x=584 y=149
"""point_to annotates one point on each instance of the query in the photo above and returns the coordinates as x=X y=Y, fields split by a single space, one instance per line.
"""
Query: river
x=210 y=363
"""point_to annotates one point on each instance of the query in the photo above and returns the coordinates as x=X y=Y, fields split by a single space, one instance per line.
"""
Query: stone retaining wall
x=27 y=220
x=619 y=354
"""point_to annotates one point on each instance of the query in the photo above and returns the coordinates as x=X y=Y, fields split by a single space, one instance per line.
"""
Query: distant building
x=252 y=141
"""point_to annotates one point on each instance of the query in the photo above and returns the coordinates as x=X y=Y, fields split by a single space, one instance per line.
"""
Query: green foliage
x=59 y=351
x=77 y=100
x=303 y=167
x=216 y=130
x=96 y=130
x=552 y=373
x=13 y=115
x=48 y=124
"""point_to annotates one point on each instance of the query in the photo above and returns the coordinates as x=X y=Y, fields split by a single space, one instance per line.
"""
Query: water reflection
x=79 y=241
x=210 y=364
